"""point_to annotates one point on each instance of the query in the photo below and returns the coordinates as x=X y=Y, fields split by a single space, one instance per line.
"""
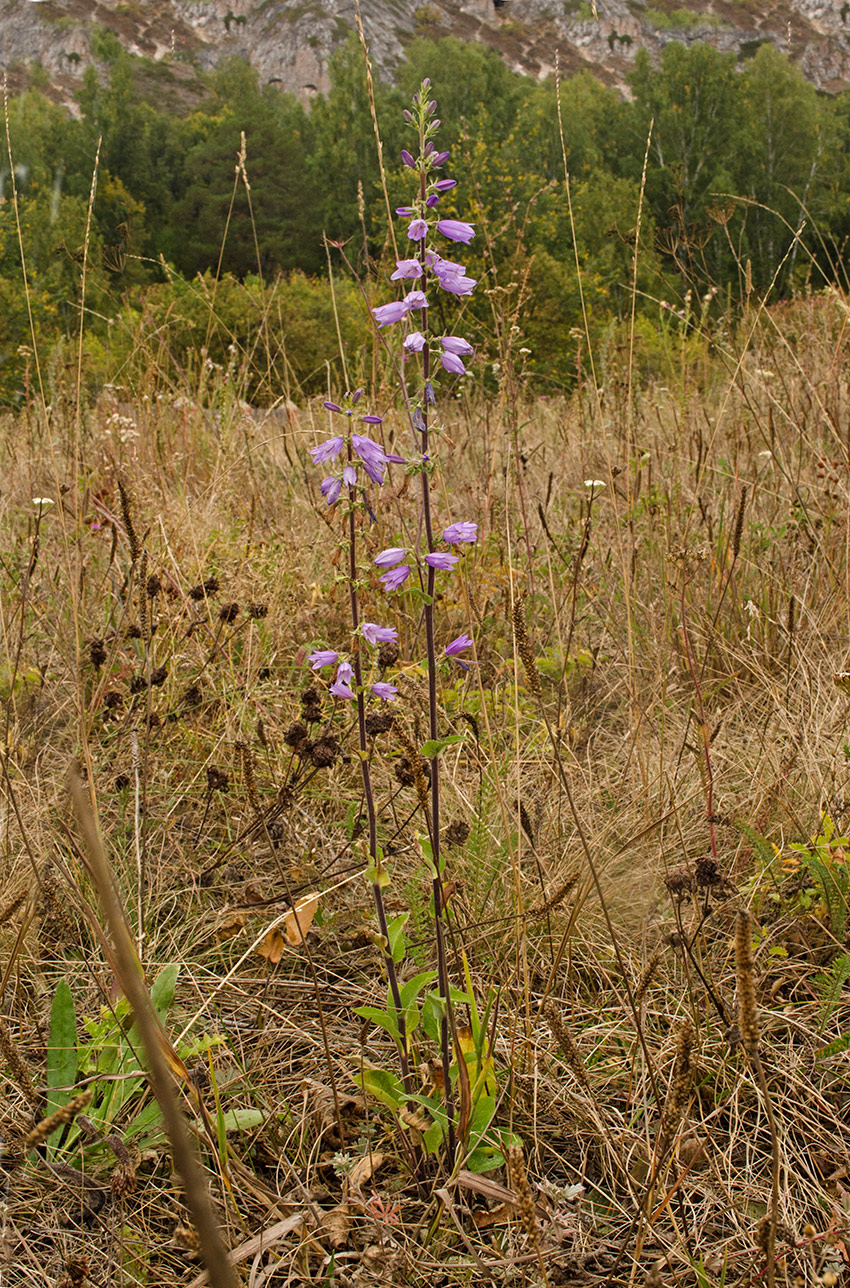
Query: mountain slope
x=290 y=41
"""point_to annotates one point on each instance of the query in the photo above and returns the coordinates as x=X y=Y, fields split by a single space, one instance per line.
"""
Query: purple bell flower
x=396 y=577
x=442 y=560
x=372 y=456
x=417 y=229
x=323 y=657
x=340 y=690
x=388 y=558
x=457 y=646
x=451 y=362
x=387 y=692
x=330 y=489
x=457 y=344
x=374 y=634
x=405 y=268
x=456 y=533
x=416 y=300
x=415 y=342
x=328 y=450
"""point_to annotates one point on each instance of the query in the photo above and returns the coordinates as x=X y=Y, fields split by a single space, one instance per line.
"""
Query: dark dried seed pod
x=218 y=780
x=457 y=832
x=193 y=696
x=97 y=653
x=679 y=882
x=138 y=684
x=405 y=771
x=228 y=613
x=296 y=736
x=133 y=632
x=707 y=872
x=154 y=586
x=264 y=673
x=388 y=654
x=258 y=611
x=159 y=675
x=122 y=782
x=324 y=751
x=112 y=699
x=154 y=720
x=378 y=722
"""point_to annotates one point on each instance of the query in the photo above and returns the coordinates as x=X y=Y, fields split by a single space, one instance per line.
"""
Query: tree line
x=741 y=171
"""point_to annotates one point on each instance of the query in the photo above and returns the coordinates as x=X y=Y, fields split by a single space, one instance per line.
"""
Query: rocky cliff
x=290 y=41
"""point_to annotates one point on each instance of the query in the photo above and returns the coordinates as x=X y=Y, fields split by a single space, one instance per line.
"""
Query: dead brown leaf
x=299 y=919
x=363 y=1170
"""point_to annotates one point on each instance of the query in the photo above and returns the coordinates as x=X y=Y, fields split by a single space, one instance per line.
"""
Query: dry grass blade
x=186 y=1161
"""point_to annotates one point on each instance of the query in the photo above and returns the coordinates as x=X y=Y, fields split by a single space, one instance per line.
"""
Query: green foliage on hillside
x=747 y=187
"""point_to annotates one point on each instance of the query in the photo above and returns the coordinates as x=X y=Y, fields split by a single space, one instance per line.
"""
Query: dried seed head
x=193 y=695
x=297 y=737
x=646 y=977
x=248 y=775
x=457 y=832
x=258 y=611
x=133 y=632
x=707 y=872
x=47 y=1126
x=159 y=675
x=135 y=547
x=311 y=705
x=228 y=613
x=412 y=770
x=144 y=611
x=154 y=586
x=97 y=653
x=15 y=1064
x=218 y=780
x=378 y=722
x=564 y=1038
x=324 y=751
x=522 y=1190
x=557 y=897
x=748 y=1024
x=77 y=1270
x=204 y=588
x=680 y=1083
x=523 y=646
x=679 y=882
x=388 y=654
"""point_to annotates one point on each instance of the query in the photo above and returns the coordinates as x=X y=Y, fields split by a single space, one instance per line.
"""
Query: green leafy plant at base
x=106 y=1056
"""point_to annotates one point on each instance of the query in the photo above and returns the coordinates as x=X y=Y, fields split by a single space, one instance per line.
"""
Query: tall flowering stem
x=429 y=270
x=362 y=455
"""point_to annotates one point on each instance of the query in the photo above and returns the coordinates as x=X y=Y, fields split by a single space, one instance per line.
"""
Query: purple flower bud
x=432 y=201
x=457 y=646
x=332 y=406
x=404 y=211
x=406 y=268
x=408 y=159
x=372 y=420
x=456 y=344
x=344 y=672
x=330 y=489
x=349 y=476
x=429 y=148
x=456 y=230
x=341 y=691
x=415 y=342
x=430 y=396
x=375 y=634
x=407 y=115
x=426 y=84
x=435 y=125
x=386 y=314
x=323 y=657
x=396 y=577
x=456 y=533
x=440 y=159
x=443 y=185
x=328 y=450
x=442 y=560
x=388 y=558
x=432 y=107
x=417 y=229
x=416 y=300
x=451 y=362
x=356 y=396
x=387 y=692
x=395 y=460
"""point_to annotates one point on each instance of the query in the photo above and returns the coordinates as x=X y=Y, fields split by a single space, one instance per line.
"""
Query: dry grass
x=156 y=692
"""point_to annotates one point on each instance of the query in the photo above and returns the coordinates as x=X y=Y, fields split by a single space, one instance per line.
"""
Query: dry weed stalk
x=564 y=1038
x=47 y=1126
x=523 y=646
x=16 y=1065
x=525 y=1203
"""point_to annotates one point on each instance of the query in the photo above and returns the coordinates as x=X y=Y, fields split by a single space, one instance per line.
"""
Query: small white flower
x=42 y=500
x=768 y=454
x=593 y=484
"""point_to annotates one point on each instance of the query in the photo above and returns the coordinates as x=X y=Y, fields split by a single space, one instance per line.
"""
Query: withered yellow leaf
x=299 y=919
x=271 y=946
